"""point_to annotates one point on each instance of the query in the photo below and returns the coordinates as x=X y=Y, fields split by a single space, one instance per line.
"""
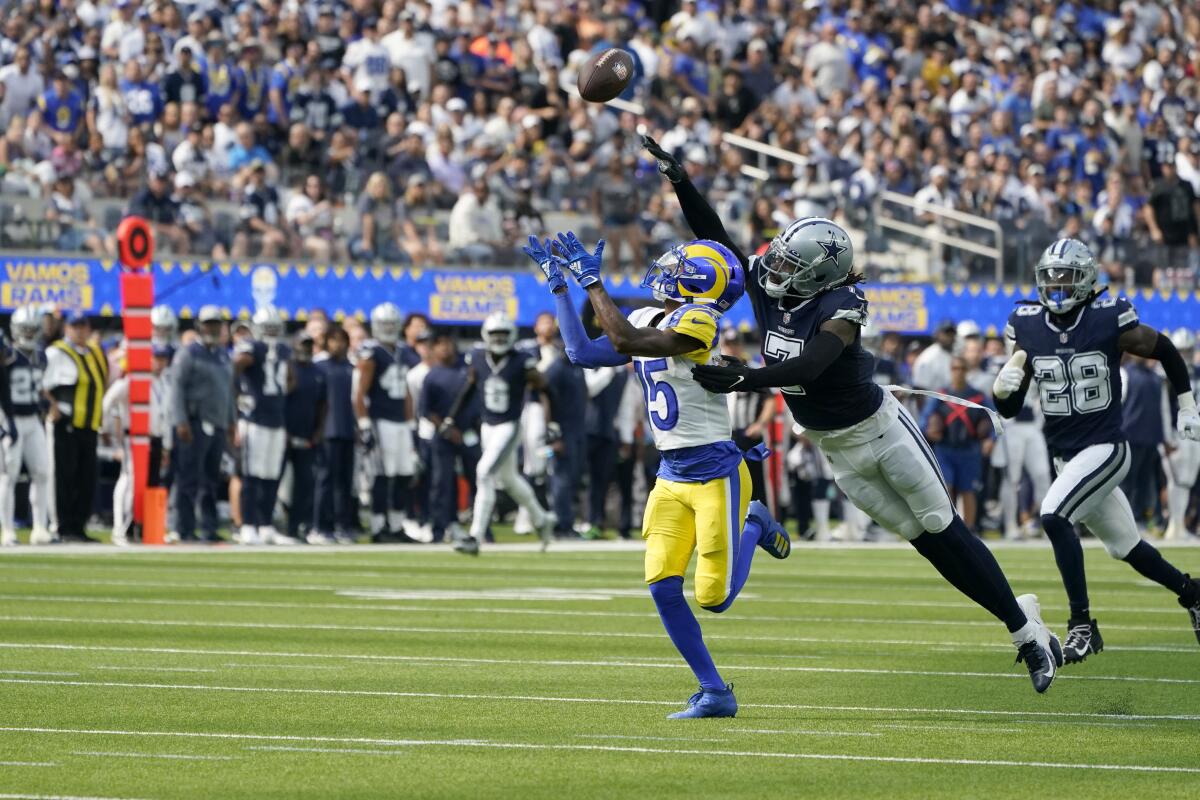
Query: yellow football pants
x=705 y=517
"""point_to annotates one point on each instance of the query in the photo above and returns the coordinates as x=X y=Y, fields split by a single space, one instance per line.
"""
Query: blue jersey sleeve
x=1127 y=316
x=845 y=302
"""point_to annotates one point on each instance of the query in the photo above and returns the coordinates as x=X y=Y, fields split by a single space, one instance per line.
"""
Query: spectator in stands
x=1173 y=217
x=107 y=114
x=62 y=107
x=377 y=235
x=23 y=87
x=155 y=204
x=196 y=220
x=184 y=83
x=261 y=218
x=143 y=99
x=76 y=230
x=419 y=223
x=932 y=367
x=476 y=234
x=309 y=217
x=616 y=201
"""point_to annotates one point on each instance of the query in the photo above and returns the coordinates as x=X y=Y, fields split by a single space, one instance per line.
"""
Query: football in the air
x=605 y=75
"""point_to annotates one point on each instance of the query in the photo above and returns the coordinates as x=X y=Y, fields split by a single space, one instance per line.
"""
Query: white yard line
x=645 y=738
x=541 y=698
x=916 y=726
x=32 y=672
x=29 y=764
x=152 y=668
x=173 y=756
x=13 y=796
x=765 y=731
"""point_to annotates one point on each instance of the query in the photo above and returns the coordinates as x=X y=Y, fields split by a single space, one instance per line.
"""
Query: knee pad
x=711 y=594
x=1120 y=547
x=934 y=521
x=1057 y=527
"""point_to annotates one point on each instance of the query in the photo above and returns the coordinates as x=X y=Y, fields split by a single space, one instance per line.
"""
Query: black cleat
x=1193 y=609
x=1042 y=654
x=1083 y=639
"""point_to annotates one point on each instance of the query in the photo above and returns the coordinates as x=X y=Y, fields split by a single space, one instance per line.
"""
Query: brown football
x=605 y=75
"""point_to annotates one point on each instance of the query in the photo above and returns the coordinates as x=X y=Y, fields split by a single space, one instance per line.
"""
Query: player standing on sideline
x=384 y=408
x=1183 y=455
x=504 y=374
x=24 y=436
x=810 y=313
x=263 y=380
x=1070 y=342
x=701 y=499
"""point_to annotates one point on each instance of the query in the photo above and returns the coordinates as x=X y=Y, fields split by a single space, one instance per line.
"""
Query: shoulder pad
x=1027 y=311
x=645 y=317
x=246 y=346
x=846 y=302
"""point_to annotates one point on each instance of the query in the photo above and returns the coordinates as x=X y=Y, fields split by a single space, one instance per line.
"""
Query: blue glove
x=584 y=266
x=550 y=264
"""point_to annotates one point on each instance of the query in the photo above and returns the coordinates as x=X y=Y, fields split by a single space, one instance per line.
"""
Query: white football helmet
x=499 y=333
x=26 y=326
x=1065 y=275
x=810 y=255
x=164 y=325
x=268 y=324
x=386 y=321
x=1182 y=338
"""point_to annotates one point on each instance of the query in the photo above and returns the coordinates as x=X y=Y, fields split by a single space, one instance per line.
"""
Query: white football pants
x=1088 y=490
x=31 y=448
x=1181 y=467
x=497 y=469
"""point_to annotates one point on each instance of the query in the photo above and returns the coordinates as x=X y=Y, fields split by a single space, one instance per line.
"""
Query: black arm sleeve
x=1010 y=406
x=702 y=218
x=1173 y=364
x=805 y=368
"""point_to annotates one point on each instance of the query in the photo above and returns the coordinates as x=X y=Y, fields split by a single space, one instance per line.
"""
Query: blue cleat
x=774 y=537
x=709 y=703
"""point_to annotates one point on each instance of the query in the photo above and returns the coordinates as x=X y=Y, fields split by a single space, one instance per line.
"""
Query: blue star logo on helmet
x=832 y=248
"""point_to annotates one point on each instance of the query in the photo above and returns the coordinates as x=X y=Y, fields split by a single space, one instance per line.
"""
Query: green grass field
x=401 y=673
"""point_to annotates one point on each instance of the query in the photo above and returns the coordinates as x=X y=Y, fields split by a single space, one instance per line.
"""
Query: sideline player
x=1070 y=342
x=701 y=499
x=1183 y=458
x=263 y=380
x=811 y=314
x=25 y=436
x=503 y=374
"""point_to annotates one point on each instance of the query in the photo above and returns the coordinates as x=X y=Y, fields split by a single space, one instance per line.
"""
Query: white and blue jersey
x=388 y=395
x=1077 y=369
x=501 y=383
x=847 y=393
x=262 y=386
x=25 y=380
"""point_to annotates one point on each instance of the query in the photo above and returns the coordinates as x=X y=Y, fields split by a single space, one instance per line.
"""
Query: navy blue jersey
x=887 y=373
x=602 y=409
x=305 y=399
x=1077 y=369
x=501 y=382
x=409 y=356
x=847 y=393
x=962 y=426
x=442 y=385
x=262 y=386
x=25 y=380
x=568 y=395
x=388 y=396
x=338 y=374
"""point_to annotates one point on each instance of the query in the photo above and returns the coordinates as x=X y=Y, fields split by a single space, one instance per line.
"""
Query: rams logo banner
x=466 y=296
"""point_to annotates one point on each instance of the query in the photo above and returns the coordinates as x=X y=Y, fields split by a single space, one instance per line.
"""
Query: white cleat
x=248 y=535
x=318 y=538
x=1043 y=654
x=8 y=539
x=119 y=541
x=416 y=531
x=41 y=536
x=268 y=535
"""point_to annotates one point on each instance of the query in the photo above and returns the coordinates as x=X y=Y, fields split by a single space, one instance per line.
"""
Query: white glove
x=1010 y=377
x=1188 y=421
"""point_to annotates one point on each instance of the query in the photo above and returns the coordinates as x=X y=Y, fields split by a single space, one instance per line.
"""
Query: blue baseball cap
x=163 y=351
x=75 y=317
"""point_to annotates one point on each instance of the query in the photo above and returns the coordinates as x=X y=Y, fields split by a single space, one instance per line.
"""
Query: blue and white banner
x=466 y=296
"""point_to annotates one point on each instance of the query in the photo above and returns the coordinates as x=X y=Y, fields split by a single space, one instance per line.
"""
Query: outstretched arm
x=701 y=217
x=803 y=370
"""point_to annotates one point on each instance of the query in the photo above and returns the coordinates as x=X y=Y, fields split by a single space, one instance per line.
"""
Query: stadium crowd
x=593 y=476
x=429 y=131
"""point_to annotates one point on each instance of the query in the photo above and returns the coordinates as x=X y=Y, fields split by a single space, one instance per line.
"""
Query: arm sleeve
x=1177 y=372
x=805 y=368
x=581 y=350
x=703 y=219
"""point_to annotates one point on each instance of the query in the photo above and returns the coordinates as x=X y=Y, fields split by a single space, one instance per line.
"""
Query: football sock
x=963 y=560
x=379 y=496
x=268 y=491
x=1150 y=563
x=249 y=498
x=742 y=560
x=684 y=631
x=820 y=512
x=1068 y=553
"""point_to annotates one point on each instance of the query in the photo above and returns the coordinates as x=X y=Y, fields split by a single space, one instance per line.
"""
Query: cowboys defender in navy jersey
x=810 y=314
x=1070 y=343
x=502 y=374
x=260 y=365
x=24 y=439
x=384 y=409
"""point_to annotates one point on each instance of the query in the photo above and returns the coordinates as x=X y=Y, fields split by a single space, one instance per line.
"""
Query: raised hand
x=583 y=265
x=667 y=164
x=550 y=264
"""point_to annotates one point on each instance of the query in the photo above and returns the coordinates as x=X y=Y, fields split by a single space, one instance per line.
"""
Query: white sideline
x=29 y=764
x=801 y=732
x=523 y=698
x=22 y=796
x=176 y=756
x=326 y=626
x=603 y=748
